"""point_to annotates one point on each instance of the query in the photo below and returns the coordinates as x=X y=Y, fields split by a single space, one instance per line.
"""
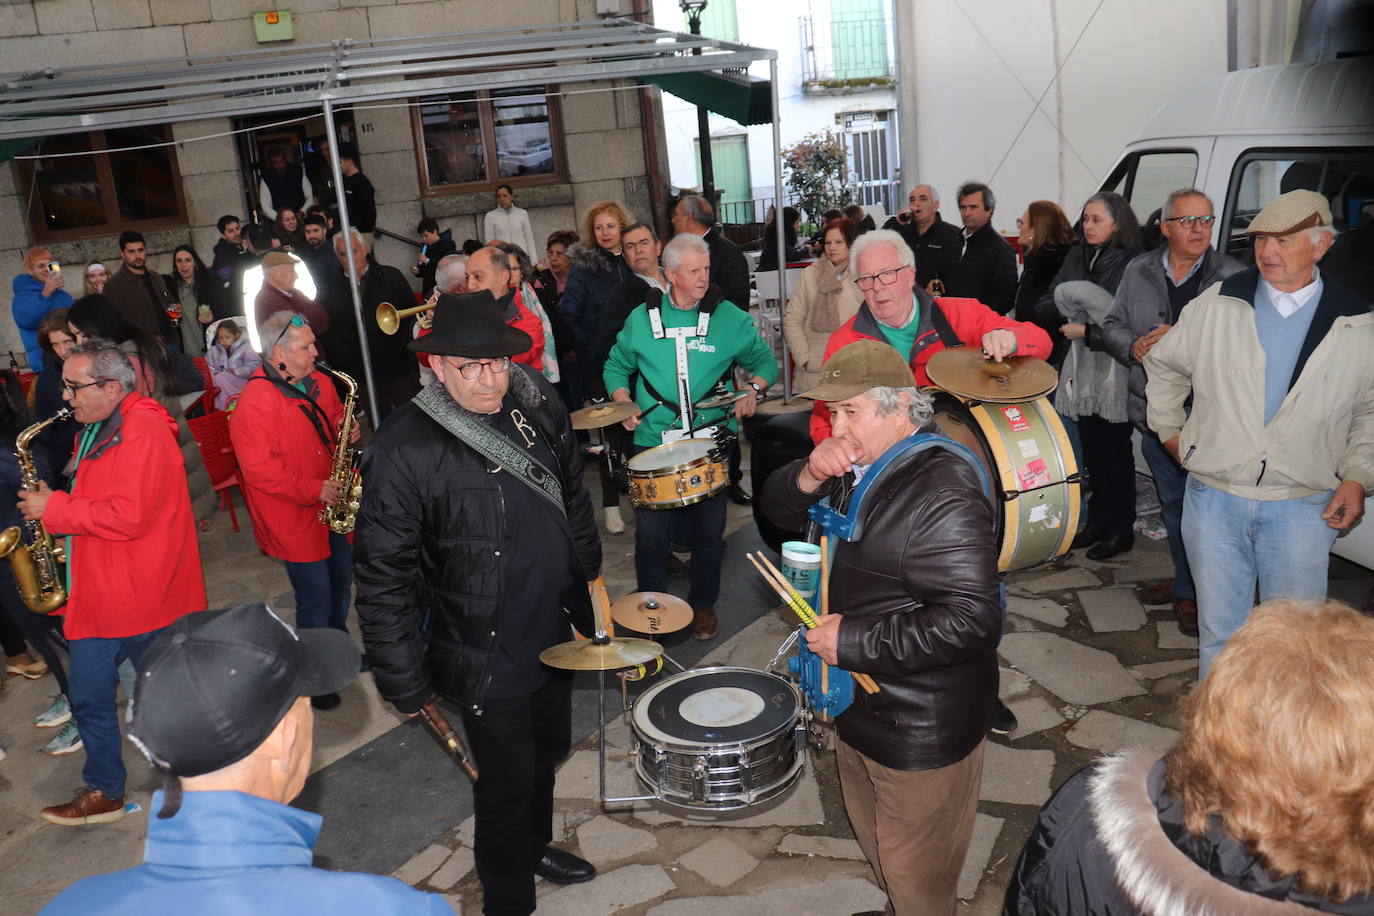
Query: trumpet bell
x=389 y=317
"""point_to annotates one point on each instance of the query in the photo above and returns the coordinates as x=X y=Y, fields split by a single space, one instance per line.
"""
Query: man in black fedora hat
x=222 y=713
x=474 y=544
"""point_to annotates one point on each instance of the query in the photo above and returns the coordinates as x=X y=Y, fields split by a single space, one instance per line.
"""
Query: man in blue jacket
x=223 y=712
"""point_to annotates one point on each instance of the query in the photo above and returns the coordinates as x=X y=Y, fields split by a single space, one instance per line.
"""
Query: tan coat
x=821 y=303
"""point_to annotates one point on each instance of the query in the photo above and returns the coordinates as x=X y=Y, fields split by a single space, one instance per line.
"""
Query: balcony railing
x=845 y=52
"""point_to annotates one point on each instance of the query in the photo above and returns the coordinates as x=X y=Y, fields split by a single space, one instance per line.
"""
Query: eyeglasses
x=885 y=277
x=1188 y=222
x=73 y=389
x=1020 y=223
x=498 y=366
x=297 y=321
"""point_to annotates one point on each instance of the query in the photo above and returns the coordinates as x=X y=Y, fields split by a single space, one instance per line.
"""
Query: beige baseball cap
x=857 y=367
x=1291 y=212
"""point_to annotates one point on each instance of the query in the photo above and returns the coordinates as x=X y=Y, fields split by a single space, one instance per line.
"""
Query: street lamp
x=693 y=9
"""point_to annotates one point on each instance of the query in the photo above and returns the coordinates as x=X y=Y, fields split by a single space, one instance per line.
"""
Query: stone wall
x=603 y=138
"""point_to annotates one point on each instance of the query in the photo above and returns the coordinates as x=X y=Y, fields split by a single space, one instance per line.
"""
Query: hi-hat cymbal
x=586 y=655
x=599 y=415
x=965 y=372
x=651 y=612
x=720 y=400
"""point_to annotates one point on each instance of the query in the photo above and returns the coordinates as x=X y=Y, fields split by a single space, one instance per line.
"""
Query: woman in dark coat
x=200 y=294
x=791 y=224
x=1046 y=238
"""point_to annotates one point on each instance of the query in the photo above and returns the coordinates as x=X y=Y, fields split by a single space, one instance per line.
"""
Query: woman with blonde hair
x=825 y=298
x=1264 y=806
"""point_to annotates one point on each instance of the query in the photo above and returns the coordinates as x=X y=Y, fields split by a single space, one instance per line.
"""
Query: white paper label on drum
x=721 y=707
x=1029 y=448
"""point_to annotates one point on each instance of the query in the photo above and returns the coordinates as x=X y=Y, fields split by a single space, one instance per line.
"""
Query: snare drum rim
x=669 y=469
x=671 y=744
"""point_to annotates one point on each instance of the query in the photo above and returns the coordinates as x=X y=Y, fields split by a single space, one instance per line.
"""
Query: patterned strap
x=491 y=445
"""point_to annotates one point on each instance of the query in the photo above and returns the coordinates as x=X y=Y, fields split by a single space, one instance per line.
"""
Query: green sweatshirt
x=731 y=339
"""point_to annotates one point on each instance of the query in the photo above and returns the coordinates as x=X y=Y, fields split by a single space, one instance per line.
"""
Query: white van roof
x=1325 y=96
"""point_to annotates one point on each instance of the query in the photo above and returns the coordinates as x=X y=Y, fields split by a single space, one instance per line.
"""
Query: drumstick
x=799 y=606
x=825 y=603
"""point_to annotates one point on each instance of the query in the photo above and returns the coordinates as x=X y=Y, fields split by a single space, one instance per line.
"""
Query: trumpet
x=389 y=317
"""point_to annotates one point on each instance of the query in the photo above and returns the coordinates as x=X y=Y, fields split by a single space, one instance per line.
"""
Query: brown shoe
x=91 y=806
x=1157 y=592
x=704 y=623
x=1187 y=616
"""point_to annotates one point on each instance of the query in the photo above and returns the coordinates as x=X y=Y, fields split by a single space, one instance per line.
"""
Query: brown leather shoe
x=704 y=623
x=1157 y=592
x=91 y=806
x=1186 y=612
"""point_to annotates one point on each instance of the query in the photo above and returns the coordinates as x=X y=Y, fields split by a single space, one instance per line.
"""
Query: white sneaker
x=614 y=523
x=2 y=753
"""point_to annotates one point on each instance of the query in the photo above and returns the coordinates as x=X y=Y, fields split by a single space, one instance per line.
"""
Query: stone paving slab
x=985 y=831
x=1012 y=683
x=1109 y=732
x=1152 y=572
x=458 y=866
x=1164 y=669
x=1041 y=609
x=604 y=840
x=1033 y=715
x=828 y=846
x=720 y=861
x=789 y=899
x=628 y=886
x=1170 y=637
x=1112 y=610
x=1060 y=581
x=423 y=864
x=1073 y=672
x=1016 y=777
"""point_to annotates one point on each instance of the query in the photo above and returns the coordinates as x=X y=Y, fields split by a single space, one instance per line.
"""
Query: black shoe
x=1111 y=546
x=1003 y=720
x=738 y=496
x=563 y=867
x=1089 y=536
x=326 y=701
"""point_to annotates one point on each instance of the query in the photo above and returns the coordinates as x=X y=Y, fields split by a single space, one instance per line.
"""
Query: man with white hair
x=1279 y=443
x=916 y=605
x=279 y=293
x=395 y=371
x=935 y=242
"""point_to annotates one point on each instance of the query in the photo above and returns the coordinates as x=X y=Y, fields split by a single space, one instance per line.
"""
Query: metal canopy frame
x=66 y=100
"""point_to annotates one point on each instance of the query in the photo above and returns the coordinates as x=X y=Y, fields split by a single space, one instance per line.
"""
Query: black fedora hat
x=471 y=324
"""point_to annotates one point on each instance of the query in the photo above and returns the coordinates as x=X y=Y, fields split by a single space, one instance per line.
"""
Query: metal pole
x=778 y=223
x=708 y=169
x=342 y=200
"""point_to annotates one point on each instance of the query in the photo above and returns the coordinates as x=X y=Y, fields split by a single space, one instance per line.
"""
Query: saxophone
x=38 y=565
x=341 y=516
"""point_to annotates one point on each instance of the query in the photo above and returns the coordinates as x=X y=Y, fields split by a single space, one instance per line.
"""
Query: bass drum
x=1031 y=461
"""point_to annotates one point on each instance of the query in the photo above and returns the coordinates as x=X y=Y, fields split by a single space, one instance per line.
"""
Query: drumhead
x=674 y=454
x=715 y=706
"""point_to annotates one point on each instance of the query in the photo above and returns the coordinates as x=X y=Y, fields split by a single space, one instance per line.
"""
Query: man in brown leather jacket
x=917 y=607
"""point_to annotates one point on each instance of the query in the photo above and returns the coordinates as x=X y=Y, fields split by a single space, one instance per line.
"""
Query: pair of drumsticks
x=793 y=599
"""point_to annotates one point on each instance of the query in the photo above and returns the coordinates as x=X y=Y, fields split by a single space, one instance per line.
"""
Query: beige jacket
x=821 y=303
x=1323 y=433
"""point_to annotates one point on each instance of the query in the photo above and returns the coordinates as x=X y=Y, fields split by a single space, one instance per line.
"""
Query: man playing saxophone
x=133 y=561
x=285 y=429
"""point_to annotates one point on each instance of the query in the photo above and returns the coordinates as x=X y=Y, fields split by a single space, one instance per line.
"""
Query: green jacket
x=730 y=340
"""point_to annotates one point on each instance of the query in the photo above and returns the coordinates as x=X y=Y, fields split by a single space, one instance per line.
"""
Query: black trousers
x=41 y=632
x=1110 y=463
x=517 y=743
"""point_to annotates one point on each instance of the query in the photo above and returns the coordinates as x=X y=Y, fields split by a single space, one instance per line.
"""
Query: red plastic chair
x=212 y=435
x=26 y=380
x=207 y=400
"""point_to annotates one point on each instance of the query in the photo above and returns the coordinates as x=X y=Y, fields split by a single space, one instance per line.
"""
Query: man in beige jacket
x=1279 y=444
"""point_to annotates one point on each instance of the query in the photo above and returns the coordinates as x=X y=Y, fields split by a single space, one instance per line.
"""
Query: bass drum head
x=672 y=455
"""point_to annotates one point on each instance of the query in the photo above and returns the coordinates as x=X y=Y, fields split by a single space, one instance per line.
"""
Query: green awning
x=741 y=98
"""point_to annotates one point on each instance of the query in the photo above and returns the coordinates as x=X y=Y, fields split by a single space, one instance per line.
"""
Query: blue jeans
x=1234 y=543
x=324 y=588
x=1169 y=483
x=93 y=673
x=654 y=531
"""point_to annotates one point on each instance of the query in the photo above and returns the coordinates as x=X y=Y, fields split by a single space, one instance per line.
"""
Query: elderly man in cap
x=222 y=714
x=279 y=293
x=1279 y=445
x=917 y=607
x=475 y=543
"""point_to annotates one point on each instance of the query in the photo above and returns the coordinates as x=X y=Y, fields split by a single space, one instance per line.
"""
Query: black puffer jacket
x=920 y=599
x=595 y=272
x=1038 y=271
x=426 y=556
x=1102 y=266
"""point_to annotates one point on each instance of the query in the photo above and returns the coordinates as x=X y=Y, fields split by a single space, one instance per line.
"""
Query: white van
x=1248 y=136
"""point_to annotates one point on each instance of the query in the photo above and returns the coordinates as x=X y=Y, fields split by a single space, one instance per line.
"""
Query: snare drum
x=719 y=738
x=678 y=474
x=1028 y=454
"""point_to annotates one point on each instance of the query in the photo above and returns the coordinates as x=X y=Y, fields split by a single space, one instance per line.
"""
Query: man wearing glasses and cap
x=285 y=429
x=222 y=715
x=475 y=543
x=1279 y=444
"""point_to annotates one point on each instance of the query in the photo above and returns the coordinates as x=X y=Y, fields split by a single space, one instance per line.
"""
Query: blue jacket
x=227 y=854
x=30 y=308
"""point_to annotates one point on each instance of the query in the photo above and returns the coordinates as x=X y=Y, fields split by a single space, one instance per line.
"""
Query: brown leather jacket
x=919 y=593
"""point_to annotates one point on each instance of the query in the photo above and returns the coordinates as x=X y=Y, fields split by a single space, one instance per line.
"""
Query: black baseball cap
x=213 y=686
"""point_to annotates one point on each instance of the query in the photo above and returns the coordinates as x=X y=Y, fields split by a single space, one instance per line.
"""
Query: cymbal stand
x=626 y=675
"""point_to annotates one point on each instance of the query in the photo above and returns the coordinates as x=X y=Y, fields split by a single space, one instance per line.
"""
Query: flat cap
x=1291 y=212
x=857 y=367
x=277 y=259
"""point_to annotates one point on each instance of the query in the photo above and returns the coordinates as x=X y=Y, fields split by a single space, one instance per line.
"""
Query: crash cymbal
x=776 y=406
x=599 y=415
x=586 y=655
x=720 y=400
x=965 y=372
x=651 y=612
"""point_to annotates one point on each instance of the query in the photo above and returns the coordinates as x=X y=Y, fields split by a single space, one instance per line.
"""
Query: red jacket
x=527 y=321
x=133 y=554
x=283 y=460
x=969 y=319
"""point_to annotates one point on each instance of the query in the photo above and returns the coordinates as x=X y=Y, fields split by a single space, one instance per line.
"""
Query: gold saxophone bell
x=389 y=317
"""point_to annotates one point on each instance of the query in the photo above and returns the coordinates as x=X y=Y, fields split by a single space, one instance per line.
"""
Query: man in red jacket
x=897 y=311
x=133 y=562
x=488 y=269
x=285 y=429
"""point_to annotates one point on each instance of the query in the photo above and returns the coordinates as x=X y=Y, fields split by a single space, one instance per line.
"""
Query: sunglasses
x=297 y=321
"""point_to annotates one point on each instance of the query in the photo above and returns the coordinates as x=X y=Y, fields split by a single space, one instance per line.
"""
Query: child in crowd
x=231 y=359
